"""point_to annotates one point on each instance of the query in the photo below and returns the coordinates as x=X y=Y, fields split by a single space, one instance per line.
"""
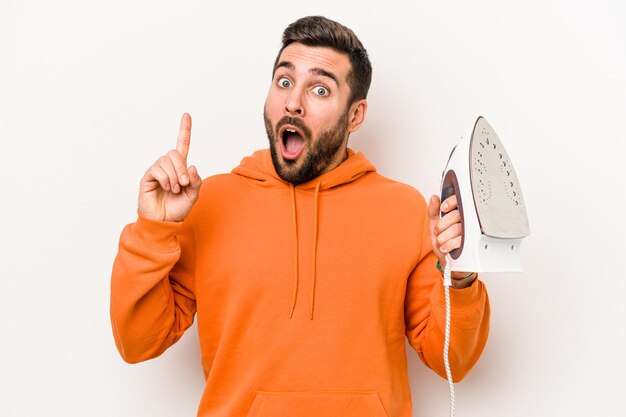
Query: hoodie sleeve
x=152 y=294
x=425 y=315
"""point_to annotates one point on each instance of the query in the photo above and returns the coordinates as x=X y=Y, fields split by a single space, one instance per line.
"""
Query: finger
x=165 y=163
x=180 y=166
x=156 y=173
x=450 y=245
x=433 y=208
x=447 y=221
x=450 y=233
x=449 y=203
x=184 y=136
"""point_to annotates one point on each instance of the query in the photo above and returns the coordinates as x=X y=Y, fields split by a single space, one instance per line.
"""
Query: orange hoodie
x=304 y=295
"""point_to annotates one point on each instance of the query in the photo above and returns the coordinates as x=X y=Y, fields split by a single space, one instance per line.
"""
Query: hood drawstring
x=314 y=261
x=296 y=276
x=295 y=233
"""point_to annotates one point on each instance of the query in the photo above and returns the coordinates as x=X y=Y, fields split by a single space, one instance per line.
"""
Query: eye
x=284 y=83
x=320 y=91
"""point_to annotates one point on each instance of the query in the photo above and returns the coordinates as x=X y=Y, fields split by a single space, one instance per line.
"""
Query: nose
x=293 y=105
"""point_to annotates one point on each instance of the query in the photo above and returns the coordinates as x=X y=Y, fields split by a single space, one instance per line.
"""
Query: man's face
x=306 y=112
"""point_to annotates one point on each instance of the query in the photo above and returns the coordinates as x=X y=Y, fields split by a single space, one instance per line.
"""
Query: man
x=307 y=269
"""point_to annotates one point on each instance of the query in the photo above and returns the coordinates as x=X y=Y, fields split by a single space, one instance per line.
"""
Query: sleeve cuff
x=461 y=300
x=155 y=235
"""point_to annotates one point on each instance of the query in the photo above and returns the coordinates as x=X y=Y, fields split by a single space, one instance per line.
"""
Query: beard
x=320 y=153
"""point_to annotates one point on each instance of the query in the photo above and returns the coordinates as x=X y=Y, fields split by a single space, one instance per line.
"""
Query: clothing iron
x=493 y=214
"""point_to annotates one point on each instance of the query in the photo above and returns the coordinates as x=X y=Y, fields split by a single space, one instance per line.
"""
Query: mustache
x=294 y=121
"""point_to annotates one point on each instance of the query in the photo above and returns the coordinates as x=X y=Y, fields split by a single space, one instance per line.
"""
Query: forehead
x=304 y=58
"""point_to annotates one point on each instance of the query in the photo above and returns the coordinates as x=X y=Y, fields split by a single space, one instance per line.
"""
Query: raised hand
x=169 y=188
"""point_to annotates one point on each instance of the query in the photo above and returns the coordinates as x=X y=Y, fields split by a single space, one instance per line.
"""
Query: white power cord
x=447 y=282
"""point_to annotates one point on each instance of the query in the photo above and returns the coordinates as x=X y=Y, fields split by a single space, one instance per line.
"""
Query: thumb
x=193 y=189
x=433 y=208
x=433 y=217
x=194 y=178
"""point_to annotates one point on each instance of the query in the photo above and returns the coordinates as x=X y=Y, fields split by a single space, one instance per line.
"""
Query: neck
x=338 y=160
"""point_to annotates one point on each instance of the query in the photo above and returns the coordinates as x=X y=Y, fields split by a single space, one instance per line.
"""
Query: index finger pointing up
x=184 y=136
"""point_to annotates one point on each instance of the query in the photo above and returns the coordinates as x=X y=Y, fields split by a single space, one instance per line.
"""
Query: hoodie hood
x=259 y=168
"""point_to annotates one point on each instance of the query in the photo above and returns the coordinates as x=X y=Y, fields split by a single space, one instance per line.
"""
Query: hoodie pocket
x=317 y=404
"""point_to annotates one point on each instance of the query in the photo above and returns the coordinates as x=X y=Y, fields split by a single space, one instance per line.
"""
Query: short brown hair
x=320 y=31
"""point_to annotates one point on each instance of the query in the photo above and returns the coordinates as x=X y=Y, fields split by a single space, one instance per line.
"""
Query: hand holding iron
x=169 y=188
x=446 y=233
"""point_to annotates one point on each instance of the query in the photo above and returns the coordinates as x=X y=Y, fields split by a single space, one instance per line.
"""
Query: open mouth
x=292 y=141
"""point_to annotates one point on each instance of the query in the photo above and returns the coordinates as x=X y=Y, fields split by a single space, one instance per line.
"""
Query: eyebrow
x=318 y=71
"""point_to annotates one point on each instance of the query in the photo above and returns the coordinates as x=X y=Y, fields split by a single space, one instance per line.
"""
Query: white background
x=91 y=93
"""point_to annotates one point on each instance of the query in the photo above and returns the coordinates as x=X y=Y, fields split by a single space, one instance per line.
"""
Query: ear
x=356 y=116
